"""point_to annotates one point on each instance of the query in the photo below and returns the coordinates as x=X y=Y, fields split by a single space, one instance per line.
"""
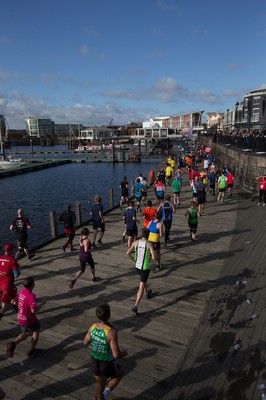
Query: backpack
x=166 y=211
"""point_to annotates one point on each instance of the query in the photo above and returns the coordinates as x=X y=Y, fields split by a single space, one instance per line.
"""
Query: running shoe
x=63 y=250
x=10 y=348
x=71 y=284
x=33 y=353
x=31 y=257
x=158 y=268
x=95 y=279
x=100 y=243
x=94 y=246
x=149 y=293
x=135 y=310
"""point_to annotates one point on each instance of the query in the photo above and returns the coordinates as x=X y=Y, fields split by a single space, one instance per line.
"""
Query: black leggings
x=262 y=195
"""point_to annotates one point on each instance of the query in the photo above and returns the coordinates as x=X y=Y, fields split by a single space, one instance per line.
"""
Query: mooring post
x=78 y=213
x=111 y=198
x=53 y=225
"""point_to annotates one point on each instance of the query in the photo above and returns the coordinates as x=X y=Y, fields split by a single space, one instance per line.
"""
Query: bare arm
x=150 y=247
x=35 y=310
x=87 y=338
x=113 y=340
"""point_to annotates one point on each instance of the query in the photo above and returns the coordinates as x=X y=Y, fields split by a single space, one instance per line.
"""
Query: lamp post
x=236 y=115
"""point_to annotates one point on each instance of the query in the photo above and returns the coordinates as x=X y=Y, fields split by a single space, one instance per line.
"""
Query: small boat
x=7 y=162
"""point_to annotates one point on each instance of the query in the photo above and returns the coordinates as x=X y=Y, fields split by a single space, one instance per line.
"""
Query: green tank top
x=142 y=255
x=193 y=216
x=100 y=347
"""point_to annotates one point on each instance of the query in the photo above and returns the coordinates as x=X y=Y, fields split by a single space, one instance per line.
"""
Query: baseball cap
x=9 y=247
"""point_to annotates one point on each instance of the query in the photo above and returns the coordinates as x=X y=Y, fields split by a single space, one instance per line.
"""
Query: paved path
x=180 y=346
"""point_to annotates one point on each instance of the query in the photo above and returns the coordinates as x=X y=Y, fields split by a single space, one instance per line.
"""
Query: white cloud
x=168 y=5
x=206 y=96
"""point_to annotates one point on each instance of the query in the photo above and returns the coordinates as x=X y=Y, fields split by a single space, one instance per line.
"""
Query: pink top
x=26 y=303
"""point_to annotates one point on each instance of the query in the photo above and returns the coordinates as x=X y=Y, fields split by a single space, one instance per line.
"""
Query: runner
x=193 y=215
x=159 y=191
x=262 y=189
x=29 y=324
x=148 y=213
x=143 y=252
x=9 y=271
x=212 y=183
x=176 y=184
x=105 y=350
x=85 y=257
x=68 y=218
x=167 y=210
x=137 y=192
x=20 y=225
x=156 y=232
x=169 y=172
x=201 y=195
x=230 y=182
x=97 y=221
x=130 y=217
x=144 y=190
x=124 y=192
x=222 y=181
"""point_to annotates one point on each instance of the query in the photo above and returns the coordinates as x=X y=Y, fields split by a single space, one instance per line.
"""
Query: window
x=256 y=100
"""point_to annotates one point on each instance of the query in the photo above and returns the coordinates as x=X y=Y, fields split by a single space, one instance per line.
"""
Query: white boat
x=7 y=162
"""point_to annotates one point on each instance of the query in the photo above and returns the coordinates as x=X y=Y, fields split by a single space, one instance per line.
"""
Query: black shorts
x=144 y=274
x=144 y=194
x=222 y=190
x=194 y=195
x=212 y=186
x=156 y=245
x=193 y=226
x=201 y=199
x=124 y=193
x=104 y=368
x=132 y=232
x=230 y=185
x=98 y=225
x=22 y=242
x=82 y=264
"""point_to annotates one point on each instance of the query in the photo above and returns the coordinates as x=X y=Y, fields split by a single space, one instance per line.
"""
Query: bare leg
x=142 y=287
x=94 y=235
x=101 y=381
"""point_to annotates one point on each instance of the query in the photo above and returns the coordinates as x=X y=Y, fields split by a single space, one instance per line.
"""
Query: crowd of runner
x=154 y=215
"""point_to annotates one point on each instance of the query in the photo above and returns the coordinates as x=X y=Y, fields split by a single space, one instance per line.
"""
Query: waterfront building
x=38 y=127
x=171 y=127
x=215 y=120
x=2 y=125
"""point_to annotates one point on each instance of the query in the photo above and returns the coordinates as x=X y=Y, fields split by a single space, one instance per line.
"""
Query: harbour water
x=50 y=189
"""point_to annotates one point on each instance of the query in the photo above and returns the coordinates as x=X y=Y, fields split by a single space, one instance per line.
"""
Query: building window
x=256 y=101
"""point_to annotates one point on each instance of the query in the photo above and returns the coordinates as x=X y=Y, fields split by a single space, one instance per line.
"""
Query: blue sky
x=90 y=61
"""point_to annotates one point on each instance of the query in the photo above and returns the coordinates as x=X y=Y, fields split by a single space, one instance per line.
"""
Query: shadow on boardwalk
x=181 y=344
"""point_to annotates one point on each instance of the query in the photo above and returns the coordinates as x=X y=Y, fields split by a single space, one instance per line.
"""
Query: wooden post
x=111 y=198
x=53 y=225
x=78 y=212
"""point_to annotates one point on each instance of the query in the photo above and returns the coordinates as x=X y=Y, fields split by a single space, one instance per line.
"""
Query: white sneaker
x=258 y=204
x=263 y=204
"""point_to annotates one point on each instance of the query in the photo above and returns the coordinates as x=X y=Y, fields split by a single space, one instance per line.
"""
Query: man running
x=20 y=225
x=156 y=232
x=105 y=350
x=130 y=217
x=29 y=324
x=143 y=252
x=148 y=213
x=230 y=182
x=124 y=192
x=97 y=221
x=222 y=181
x=176 y=184
x=9 y=271
x=68 y=218
x=137 y=192
x=167 y=209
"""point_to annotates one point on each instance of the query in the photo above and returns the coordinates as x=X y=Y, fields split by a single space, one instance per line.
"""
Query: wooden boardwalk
x=181 y=344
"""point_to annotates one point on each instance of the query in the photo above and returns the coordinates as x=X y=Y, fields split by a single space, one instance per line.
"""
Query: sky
x=96 y=61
